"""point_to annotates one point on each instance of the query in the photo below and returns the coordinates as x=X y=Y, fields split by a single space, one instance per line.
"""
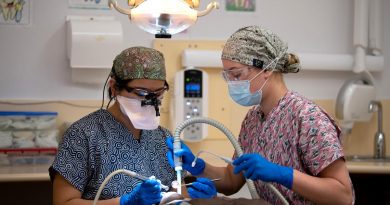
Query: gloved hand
x=146 y=193
x=187 y=158
x=256 y=167
x=203 y=188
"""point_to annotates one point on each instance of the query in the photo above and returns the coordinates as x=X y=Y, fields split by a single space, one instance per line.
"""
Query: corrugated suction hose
x=235 y=144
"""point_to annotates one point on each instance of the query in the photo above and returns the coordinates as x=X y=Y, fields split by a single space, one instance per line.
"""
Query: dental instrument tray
x=27 y=137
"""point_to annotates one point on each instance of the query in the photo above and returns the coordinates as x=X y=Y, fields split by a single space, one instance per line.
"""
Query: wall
x=34 y=67
x=221 y=107
x=34 y=64
x=359 y=141
x=224 y=110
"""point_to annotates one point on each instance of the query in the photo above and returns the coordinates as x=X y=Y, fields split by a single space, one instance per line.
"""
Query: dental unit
x=178 y=161
x=232 y=139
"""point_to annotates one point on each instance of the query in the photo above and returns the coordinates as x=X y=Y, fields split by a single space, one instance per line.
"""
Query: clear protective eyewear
x=242 y=73
x=236 y=74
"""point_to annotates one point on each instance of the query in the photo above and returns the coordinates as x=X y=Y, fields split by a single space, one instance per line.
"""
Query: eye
x=235 y=75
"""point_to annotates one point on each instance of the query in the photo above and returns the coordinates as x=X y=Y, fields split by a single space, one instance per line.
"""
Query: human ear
x=112 y=88
x=267 y=74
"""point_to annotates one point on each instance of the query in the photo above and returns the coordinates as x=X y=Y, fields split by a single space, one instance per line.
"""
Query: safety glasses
x=236 y=74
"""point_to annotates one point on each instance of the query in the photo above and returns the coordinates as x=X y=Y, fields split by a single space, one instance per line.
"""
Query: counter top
x=40 y=172
x=368 y=167
x=24 y=173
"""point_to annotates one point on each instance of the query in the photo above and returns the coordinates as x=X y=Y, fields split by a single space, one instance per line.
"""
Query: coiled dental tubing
x=230 y=136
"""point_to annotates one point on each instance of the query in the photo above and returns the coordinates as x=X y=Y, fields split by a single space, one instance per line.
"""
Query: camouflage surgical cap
x=139 y=63
x=258 y=47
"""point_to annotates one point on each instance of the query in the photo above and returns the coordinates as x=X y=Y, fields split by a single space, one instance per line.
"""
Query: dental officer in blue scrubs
x=127 y=135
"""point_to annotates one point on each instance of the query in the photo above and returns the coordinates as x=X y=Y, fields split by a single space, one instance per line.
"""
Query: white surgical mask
x=142 y=117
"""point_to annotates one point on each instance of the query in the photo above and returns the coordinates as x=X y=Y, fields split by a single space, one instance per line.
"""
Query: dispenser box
x=357 y=98
x=92 y=44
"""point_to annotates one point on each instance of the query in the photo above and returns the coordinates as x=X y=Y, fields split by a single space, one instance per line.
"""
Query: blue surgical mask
x=239 y=91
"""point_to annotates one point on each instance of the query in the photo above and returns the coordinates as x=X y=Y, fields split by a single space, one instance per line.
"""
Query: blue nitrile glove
x=146 y=193
x=187 y=158
x=203 y=188
x=256 y=167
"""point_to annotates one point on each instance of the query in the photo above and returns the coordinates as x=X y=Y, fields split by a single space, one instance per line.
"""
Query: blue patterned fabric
x=98 y=144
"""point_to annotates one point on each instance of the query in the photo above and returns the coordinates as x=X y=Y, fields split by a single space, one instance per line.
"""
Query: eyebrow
x=235 y=68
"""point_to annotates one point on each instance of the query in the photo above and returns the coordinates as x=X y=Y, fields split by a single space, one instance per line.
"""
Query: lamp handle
x=210 y=6
x=113 y=3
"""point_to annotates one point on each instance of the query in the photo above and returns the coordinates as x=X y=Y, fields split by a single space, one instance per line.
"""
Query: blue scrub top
x=98 y=144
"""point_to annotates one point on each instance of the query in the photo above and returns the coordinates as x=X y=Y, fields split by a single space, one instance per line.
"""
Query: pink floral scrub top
x=296 y=133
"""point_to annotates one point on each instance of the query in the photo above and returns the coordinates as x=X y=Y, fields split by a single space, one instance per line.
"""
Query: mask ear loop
x=262 y=71
x=112 y=97
x=274 y=61
x=109 y=102
x=104 y=89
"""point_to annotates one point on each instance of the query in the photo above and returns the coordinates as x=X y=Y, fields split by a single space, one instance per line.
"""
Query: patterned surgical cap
x=139 y=63
x=258 y=47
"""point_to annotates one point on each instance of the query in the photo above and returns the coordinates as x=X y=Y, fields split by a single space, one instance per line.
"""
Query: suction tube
x=178 y=163
x=128 y=172
x=235 y=144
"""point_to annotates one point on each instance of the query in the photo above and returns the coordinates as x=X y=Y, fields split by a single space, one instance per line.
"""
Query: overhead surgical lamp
x=163 y=17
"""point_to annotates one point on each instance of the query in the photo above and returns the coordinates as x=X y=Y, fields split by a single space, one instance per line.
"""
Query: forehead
x=228 y=64
x=146 y=83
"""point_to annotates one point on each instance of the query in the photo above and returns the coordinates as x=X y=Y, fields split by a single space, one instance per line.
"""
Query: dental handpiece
x=143 y=178
x=212 y=180
x=225 y=159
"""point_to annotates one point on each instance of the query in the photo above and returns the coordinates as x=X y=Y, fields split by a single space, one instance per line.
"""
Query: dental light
x=163 y=17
